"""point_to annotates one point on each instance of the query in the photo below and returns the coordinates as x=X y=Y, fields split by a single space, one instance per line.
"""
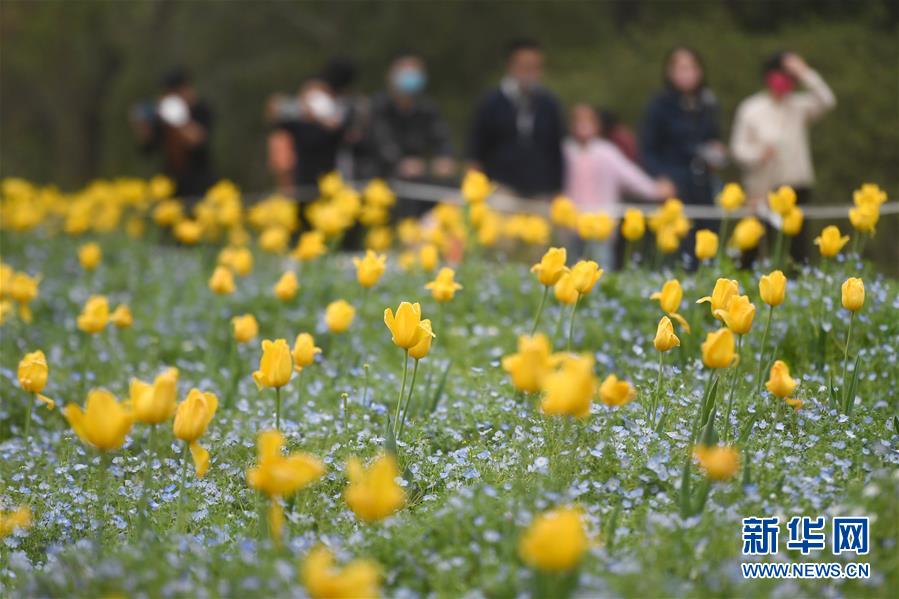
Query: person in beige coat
x=770 y=136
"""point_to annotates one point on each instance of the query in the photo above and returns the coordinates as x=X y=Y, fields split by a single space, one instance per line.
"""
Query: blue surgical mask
x=409 y=81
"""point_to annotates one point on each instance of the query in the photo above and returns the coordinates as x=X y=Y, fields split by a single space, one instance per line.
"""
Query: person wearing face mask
x=517 y=130
x=309 y=129
x=411 y=139
x=770 y=136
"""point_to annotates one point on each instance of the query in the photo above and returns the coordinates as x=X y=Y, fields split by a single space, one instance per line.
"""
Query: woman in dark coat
x=680 y=138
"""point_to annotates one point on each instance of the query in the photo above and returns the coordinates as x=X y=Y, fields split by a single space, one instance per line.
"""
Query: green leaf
x=389 y=439
x=747 y=429
x=438 y=393
x=685 y=487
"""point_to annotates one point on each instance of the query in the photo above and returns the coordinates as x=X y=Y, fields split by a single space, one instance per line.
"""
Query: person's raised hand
x=794 y=64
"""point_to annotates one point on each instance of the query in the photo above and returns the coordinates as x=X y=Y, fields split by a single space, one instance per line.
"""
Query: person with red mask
x=770 y=136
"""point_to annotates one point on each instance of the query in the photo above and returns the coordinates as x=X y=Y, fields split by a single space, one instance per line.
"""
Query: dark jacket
x=419 y=132
x=527 y=159
x=672 y=138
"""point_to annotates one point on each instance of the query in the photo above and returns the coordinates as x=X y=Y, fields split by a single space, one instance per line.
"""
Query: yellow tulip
x=779 y=381
x=719 y=462
x=274 y=239
x=33 y=371
x=747 y=234
x=200 y=456
x=277 y=475
x=792 y=222
x=783 y=200
x=616 y=393
x=238 y=259
x=245 y=328
x=339 y=316
x=16 y=519
x=373 y=493
x=731 y=197
x=565 y=291
x=670 y=296
x=584 y=276
x=667 y=240
x=595 y=226
x=221 y=281
x=370 y=268
x=853 y=294
x=551 y=267
x=121 y=317
x=718 y=349
x=156 y=403
x=528 y=366
x=359 y=579
x=665 y=338
x=428 y=257
x=772 y=288
x=555 y=541
x=444 y=287
x=286 y=287
x=310 y=246
x=421 y=349
x=563 y=212
x=830 y=242
x=721 y=294
x=706 y=244
x=275 y=366
x=104 y=423
x=864 y=218
x=405 y=326
x=90 y=255
x=634 y=224
x=739 y=314
x=304 y=351
x=193 y=415
x=188 y=232
x=95 y=315
x=569 y=390
x=475 y=186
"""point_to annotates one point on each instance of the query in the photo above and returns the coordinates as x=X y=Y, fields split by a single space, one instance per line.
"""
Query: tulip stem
x=148 y=470
x=762 y=362
x=278 y=408
x=846 y=398
x=778 y=247
x=571 y=322
x=722 y=234
x=399 y=399
x=655 y=403
x=733 y=386
x=540 y=310
x=179 y=521
x=29 y=407
x=408 y=397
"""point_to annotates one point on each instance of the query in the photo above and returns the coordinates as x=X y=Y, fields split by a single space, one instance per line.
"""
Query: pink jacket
x=597 y=173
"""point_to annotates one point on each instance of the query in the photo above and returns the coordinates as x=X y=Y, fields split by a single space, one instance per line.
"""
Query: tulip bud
x=665 y=338
x=721 y=294
x=245 y=328
x=275 y=366
x=405 y=325
x=90 y=255
x=304 y=351
x=339 y=316
x=565 y=291
x=718 y=463
x=555 y=542
x=95 y=315
x=772 y=288
x=121 y=317
x=616 y=393
x=739 y=314
x=421 y=349
x=853 y=294
x=475 y=186
x=706 y=244
x=528 y=366
x=634 y=225
x=670 y=296
x=792 y=222
x=428 y=257
x=551 y=267
x=194 y=415
x=370 y=268
x=287 y=286
x=731 y=197
x=747 y=234
x=718 y=349
x=221 y=281
x=783 y=200
x=33 y=371
x=830 y=242
x=779 y=381
x=584 y=276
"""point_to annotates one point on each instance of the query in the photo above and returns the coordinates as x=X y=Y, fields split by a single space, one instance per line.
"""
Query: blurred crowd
x=519 y=136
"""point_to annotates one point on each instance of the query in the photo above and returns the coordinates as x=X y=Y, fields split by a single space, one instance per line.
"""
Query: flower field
x=215 y=401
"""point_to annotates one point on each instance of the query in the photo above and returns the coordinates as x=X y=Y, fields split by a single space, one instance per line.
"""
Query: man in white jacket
x=770 y=137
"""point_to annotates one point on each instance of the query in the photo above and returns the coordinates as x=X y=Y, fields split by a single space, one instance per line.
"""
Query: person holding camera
x=178 y=125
